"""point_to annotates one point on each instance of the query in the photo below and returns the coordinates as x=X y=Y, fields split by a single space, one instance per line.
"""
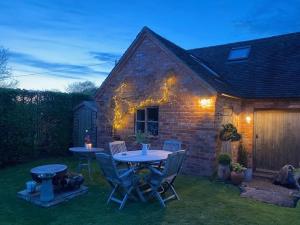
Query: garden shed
x=85 y=115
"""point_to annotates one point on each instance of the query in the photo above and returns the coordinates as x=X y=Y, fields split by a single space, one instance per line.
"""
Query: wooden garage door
x=277 y=138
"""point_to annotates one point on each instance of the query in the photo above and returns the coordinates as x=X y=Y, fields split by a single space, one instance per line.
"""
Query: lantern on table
x=87 y=141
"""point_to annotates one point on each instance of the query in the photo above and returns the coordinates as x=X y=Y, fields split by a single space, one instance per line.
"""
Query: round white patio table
x=137 y=157
x=86 y=155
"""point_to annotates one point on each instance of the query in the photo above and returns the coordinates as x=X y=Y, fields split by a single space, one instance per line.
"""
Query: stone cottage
x=169 y=92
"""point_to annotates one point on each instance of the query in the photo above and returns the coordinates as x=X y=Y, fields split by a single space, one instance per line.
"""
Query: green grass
x=202 y=202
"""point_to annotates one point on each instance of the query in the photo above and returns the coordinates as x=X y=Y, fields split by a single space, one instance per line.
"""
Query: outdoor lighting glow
x=205 y=102
x=248 y=119
x=123 y=107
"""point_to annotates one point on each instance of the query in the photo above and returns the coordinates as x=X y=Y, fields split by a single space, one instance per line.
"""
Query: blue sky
x=56 y=42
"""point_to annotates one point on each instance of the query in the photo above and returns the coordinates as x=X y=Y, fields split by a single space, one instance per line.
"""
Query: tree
x=6 y=80
x=86 y=87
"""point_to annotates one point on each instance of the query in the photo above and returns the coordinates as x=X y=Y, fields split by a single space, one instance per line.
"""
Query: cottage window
x=146 y=120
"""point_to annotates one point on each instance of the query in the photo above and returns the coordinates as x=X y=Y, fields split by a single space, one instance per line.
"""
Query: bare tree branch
x=6 y=80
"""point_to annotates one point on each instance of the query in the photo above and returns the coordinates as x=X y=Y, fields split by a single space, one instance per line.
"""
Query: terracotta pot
x=223 y=172
x=237 y=178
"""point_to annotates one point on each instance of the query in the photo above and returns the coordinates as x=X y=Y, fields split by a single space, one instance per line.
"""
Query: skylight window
x=239 y=53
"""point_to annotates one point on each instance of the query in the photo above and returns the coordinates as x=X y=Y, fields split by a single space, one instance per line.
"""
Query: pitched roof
x=272 y=69
x=195 y=64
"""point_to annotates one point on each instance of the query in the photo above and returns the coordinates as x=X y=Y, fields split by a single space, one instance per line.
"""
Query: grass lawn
x=202 y=202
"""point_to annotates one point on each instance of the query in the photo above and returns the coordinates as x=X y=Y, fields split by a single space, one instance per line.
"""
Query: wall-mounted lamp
x=205 y=102
x=248 y=119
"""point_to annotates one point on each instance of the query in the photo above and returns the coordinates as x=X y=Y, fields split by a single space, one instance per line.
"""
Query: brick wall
x=228 y=110
x=145 y=74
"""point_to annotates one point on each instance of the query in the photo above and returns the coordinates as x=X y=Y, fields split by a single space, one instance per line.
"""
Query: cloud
x=272 y=17
x=54 y=68
x=105 y=56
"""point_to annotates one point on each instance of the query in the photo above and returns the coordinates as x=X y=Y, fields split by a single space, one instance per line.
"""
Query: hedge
x=35 y=123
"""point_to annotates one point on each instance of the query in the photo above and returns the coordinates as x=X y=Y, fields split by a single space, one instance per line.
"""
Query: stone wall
x=151 y=77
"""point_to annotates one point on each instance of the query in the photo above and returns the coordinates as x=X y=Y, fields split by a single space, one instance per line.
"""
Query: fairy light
x=120 y=103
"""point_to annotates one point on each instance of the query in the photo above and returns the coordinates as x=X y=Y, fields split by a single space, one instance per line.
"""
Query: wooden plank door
x=276 y=138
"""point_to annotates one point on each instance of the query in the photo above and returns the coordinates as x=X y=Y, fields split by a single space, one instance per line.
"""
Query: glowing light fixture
x=248 y=119
x=205 y=102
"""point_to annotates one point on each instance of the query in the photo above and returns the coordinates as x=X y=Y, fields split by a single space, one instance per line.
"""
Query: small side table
x=85 y=157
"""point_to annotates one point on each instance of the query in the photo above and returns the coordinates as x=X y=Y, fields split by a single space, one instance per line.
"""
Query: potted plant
x=237 y=173
x=242 y=159
x=224 y=161
x=142 y=138
x=228 y=134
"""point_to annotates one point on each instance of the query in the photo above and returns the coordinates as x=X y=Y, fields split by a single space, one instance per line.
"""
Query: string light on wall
x=124 y=107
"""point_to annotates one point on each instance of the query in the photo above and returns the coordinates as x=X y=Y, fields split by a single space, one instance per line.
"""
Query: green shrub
x=242 y=156
x=35 y=123
x=238 y=168
x=141 y=138
x=224 y=159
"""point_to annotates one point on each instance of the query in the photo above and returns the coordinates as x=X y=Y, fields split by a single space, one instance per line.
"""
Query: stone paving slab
x=58 y=197
x=264 y=191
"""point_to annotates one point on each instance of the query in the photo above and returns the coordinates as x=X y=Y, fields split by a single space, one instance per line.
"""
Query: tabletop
x=85 y=150
x=48 y=169
x=136 y=156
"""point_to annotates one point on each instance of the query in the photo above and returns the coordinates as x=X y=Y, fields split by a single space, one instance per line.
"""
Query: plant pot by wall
x=248 y=174
x=223 y=172
x=237 y=178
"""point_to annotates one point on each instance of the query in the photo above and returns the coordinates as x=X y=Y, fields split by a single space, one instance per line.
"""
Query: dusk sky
x=56 y=42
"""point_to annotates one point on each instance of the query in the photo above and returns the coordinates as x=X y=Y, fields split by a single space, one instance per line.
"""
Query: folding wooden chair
x=123 y=182
x=167 y=176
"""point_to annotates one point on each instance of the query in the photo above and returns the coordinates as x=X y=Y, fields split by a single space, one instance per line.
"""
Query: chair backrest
x=117 y=147
x=173 y=163
x=108 y=167
x=172 y=145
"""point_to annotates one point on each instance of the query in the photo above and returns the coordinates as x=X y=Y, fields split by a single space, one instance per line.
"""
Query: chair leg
x=175 y=193
x=112 y=193
x=159 y=198
x=125 y=198
x=140 y=194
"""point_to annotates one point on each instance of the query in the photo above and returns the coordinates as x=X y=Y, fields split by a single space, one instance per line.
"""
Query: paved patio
x=263 y=190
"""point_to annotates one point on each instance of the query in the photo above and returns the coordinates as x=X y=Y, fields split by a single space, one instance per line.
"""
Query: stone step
x=263 y=175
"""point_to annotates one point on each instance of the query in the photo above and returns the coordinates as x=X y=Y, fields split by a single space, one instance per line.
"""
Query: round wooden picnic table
x=85 y=157
x=138 y=157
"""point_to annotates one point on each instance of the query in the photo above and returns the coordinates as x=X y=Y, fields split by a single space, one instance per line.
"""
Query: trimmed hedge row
x=35 y=123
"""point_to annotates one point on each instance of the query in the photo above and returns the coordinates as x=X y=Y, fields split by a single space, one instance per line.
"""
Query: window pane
x=152 y=114
x=152 y=128
x=140 y=114
x=239 y=53
x=140 y=126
